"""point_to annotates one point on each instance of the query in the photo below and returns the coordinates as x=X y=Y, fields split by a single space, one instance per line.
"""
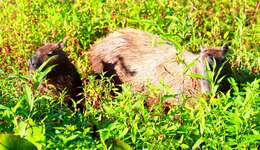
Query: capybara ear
x=224 y=48
x=60 y=44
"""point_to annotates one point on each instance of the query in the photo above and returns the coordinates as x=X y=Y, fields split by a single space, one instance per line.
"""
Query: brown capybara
x=136 y=57
x=64 y=75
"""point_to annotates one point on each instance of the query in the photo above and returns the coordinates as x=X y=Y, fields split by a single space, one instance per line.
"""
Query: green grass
x=226 y=121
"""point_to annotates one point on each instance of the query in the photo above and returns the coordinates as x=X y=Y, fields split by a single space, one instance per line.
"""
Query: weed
x=225 y=121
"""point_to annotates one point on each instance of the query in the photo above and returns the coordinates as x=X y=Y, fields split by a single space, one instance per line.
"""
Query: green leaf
x=120 y=145
x=29 y=96
x=42 y=71
x=18 y=104
x=15 y=142
x=31 y=132
x=123 y=133
x=184 y=146
x=226 y=35
x=2 y=107
x=196 y=75
x=70 y=138
x=198 y=142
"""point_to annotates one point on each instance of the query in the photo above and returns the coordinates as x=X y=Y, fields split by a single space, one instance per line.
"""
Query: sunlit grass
x=225 y=121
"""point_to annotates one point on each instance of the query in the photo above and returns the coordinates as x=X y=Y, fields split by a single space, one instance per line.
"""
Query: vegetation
x=225 y=121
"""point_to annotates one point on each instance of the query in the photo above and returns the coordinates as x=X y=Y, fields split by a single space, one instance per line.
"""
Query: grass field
x=225 y=121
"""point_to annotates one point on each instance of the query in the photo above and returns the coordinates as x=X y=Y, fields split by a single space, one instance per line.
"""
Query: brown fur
x=135 y=57
x=64 y=75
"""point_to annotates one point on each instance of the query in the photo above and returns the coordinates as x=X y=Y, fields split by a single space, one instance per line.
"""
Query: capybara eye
x=50 y=53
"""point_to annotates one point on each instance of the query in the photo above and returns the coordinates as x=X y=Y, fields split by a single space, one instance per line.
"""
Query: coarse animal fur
x=64 y=75
x=136 y=57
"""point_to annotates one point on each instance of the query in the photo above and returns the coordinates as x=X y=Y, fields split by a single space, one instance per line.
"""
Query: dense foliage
x=224 y=121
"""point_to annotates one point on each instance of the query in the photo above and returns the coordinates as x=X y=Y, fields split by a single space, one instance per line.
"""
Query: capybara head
x=217 y=54
x=211 y=56
x=45 y=52
x=64 y=75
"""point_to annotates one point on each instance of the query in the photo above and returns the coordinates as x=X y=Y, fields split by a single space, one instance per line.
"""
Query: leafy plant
x=226 y=121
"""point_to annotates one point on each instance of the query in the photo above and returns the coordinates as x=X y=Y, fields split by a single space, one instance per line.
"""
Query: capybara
x=136 y=57
x=64 y=75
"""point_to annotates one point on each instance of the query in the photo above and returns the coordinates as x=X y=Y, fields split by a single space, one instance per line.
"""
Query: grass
x=226 y=121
